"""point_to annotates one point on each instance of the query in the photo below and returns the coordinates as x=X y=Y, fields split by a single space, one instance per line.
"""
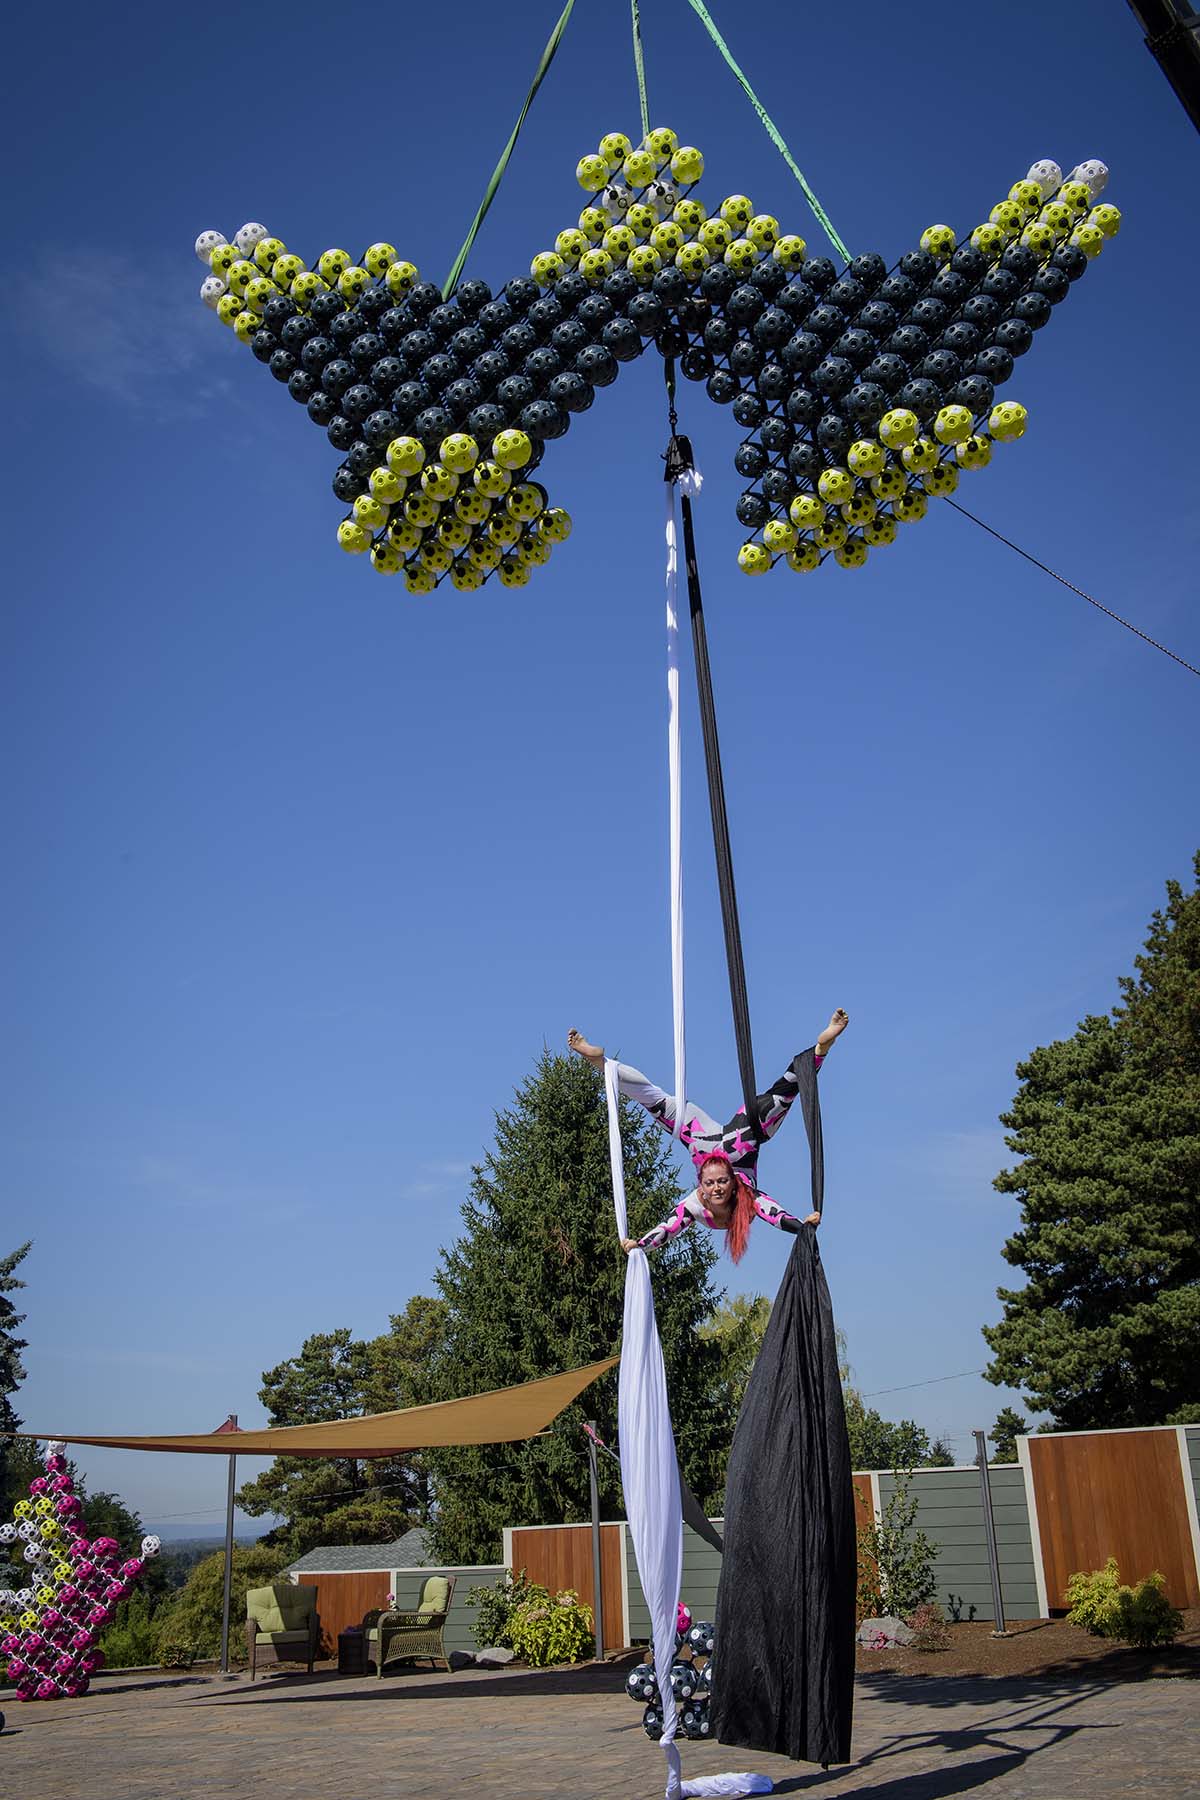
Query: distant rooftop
x=408 y=1552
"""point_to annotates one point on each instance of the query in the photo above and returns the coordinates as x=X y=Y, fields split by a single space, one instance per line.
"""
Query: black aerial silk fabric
x=784 y=1659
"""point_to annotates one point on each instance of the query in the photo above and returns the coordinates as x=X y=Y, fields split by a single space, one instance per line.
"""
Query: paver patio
x=573 y=1735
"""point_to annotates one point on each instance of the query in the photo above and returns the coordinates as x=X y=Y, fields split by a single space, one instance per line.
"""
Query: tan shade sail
x=501 y=1417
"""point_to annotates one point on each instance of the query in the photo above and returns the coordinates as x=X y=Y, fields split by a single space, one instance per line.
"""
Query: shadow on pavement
x=933 y=1784
x=537 y=1683
x=1027 y=1707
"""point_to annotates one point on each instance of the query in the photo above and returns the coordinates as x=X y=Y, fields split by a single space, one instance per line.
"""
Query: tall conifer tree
x=1106 y=1330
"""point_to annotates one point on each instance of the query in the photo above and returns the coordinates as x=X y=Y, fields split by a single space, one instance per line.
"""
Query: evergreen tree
x=12 y=1374
x=1008 y=1428
x=535 y=1285
x=332 y=1500
x=1106 y=1330
x=397 y=1360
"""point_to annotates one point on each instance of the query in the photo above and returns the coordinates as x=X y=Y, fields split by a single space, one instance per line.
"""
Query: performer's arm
x=662 y=1233
x=773 y=1213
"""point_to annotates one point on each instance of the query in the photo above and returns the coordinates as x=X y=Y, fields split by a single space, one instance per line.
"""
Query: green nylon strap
x=547 y=58
x=822 y=216
x=640 y=66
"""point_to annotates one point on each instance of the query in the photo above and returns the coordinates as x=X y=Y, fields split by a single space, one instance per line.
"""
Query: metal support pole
x=989 y=1525
x=593 y=1481
x=228 y=1566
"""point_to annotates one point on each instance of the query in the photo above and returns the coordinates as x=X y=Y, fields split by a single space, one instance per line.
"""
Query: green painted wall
x=406 y=1585
x=950 y=1512
x=701 y=1571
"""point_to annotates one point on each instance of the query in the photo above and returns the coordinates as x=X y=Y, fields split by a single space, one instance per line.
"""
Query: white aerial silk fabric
x=712 y=1787
x=649 y=1469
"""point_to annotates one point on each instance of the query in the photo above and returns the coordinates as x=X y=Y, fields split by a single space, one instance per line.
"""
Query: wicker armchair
x=394 y=1637
x=282 y=1625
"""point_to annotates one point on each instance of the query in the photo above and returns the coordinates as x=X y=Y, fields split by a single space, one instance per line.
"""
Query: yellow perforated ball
x=754 y=559
x=614 y=147
x=779 y=536
x=806 y=512
x=592 y=173
x=836 y=486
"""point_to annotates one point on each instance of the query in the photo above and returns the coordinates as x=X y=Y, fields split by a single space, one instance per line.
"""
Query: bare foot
x=813 y=1219
x=628 y=1244
x=589 y=1052
x=837 y=1024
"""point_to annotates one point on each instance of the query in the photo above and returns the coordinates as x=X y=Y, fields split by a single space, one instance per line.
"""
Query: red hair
x=737 y=1232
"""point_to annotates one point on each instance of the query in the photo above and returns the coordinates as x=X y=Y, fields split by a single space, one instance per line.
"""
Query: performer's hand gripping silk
x=727 y=1198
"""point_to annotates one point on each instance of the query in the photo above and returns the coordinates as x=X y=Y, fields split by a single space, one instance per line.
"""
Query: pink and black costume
x=737 y=1141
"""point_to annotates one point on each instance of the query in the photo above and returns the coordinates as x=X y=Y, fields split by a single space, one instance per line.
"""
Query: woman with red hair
x=726 y=1156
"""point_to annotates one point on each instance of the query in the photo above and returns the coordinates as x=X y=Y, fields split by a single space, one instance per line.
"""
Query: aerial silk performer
x=726 y=1156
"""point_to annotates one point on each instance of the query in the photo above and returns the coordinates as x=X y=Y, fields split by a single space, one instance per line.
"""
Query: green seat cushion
x=297 y=1604
x=434 y=1595
x=281 y=1608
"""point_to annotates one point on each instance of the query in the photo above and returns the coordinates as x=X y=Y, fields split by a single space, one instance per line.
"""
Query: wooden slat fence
x=1113 y=1493
x=560 y=1556
x=343 y=1599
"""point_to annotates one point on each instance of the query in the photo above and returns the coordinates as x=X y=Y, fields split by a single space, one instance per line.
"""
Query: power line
x=1047 y=570
x=931 y=1382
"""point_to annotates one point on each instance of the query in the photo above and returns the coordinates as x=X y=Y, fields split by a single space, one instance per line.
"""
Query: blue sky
x=303 y=872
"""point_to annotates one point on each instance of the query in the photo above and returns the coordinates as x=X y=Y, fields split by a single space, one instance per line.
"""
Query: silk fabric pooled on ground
x=785 y=1604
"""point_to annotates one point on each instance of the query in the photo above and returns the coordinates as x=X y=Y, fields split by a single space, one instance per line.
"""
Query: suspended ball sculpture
x=864 y=394
x=691 y=1679
x=69 y=1588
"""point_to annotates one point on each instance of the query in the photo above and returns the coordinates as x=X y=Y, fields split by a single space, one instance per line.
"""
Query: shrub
x=131 y=1641
x=496 y=1605
x=1141 y=1615
x=1147 y=1617
x=929 y=1628
x=895 y=1563
x=1092 y=1598
x=546 y=1630
x=193 y=1617
x=176 y=1648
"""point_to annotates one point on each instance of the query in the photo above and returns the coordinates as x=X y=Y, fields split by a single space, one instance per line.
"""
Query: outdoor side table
x=352 y=1653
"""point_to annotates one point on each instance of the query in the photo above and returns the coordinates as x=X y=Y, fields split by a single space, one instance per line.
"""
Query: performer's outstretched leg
x=700 y=1130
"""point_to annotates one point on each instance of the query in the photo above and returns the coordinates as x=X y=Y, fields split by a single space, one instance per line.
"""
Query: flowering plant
x=546 y=1630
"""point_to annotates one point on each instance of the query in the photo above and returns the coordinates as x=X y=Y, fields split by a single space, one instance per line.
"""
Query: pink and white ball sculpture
x=71 y=1586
